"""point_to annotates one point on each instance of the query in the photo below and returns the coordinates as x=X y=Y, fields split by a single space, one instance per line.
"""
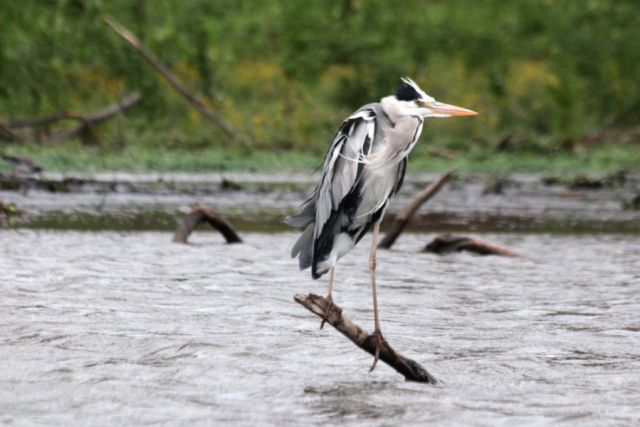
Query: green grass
x=74 y=157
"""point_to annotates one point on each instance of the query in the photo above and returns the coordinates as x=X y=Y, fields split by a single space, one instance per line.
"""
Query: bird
x=364 y=167
x=22 y=164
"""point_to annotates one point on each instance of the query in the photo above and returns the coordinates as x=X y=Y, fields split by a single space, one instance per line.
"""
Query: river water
x=126 y=328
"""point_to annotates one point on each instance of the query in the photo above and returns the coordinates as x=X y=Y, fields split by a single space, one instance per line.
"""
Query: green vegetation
x=560 y=77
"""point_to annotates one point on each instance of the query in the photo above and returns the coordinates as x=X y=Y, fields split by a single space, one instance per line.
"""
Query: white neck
x=393 y=109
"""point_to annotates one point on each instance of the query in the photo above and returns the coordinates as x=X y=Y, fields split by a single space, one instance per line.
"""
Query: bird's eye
x=417 y=101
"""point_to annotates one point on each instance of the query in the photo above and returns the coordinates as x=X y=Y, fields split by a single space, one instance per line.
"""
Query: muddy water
x=110 y=328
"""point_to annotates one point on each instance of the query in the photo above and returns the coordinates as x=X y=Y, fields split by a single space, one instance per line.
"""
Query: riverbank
x=73 y=156
x=590 y=203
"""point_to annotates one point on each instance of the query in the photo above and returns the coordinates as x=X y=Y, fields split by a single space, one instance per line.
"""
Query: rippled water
x=129 y=329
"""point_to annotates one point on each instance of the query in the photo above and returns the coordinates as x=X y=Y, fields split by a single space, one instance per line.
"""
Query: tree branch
x=93 y=119
x=448 y=243
x=151 y=59
x=402 y=219
x=199 y=214
x=411 y=370
x=8 y=134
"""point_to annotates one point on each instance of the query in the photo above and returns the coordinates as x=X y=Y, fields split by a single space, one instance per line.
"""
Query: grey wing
x=343 y=165
x=342 y=169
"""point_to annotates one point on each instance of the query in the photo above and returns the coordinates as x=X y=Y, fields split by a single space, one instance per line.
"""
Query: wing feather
x=342 y=165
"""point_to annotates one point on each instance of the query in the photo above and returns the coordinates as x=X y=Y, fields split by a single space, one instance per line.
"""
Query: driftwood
x=448 y=243
x=411 y=370
x=151 y=59
x=198 y=214
x=402 y=219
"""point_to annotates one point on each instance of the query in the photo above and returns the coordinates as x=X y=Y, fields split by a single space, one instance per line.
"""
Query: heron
x=363 y=168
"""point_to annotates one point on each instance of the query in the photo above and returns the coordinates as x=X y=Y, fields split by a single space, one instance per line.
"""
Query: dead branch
x=133 y=40
x=8 y=135
x=411 y=370
x=199 y=214
x=44 y=120
x=93 y=119
x=402 y=219
x=448 y=243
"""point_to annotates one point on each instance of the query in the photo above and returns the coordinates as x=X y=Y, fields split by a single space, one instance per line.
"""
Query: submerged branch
x=199 y=214
x=411 y=370
x=448 y=243
x=402 y=219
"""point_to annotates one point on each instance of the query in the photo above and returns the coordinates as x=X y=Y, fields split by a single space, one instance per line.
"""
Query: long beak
x=440 y=108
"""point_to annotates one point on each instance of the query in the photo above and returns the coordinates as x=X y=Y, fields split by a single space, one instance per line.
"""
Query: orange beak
x=440 y=108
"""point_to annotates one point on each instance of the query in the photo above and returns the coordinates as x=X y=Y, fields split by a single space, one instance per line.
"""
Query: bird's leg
x=377 y=335
x=326 y=313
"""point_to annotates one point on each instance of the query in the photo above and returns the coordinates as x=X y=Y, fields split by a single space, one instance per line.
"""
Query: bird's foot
x=326 y=313
x=378 y=342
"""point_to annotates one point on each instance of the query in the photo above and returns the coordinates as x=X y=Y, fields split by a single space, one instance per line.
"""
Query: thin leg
x=326 y=313
x=372 y=273
x=377 y=334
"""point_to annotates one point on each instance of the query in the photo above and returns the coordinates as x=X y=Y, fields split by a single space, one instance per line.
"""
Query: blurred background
x=555 y=82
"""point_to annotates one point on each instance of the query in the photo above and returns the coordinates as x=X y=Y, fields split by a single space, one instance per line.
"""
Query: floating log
x=448 y=243
x=411 y=370
x=199 y=214
x=151 y=59
x=402 y=219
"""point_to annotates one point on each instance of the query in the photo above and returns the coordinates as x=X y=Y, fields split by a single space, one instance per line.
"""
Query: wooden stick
x=93 y=119
x=402 y=219
x=411 y=370
x=448 y=243
x=151 y=59
x=198 y=214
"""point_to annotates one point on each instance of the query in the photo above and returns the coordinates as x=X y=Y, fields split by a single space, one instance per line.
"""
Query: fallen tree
x=411 y=370
x=402 y=219
x=199 y=214
x=448 y=243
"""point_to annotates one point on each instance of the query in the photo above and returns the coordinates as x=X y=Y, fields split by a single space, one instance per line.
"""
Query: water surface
x=126 y=328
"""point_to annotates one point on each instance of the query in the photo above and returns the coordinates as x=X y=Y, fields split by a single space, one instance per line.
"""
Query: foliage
x=561 y=75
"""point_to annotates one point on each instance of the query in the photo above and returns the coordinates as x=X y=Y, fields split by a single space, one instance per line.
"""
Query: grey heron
x=364 y=166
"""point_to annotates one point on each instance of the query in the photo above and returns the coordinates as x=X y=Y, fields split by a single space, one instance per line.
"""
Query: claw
x=326 y=313
x=379 y=340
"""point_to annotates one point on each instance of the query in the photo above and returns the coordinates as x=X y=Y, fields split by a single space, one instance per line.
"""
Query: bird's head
x=411 y=100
